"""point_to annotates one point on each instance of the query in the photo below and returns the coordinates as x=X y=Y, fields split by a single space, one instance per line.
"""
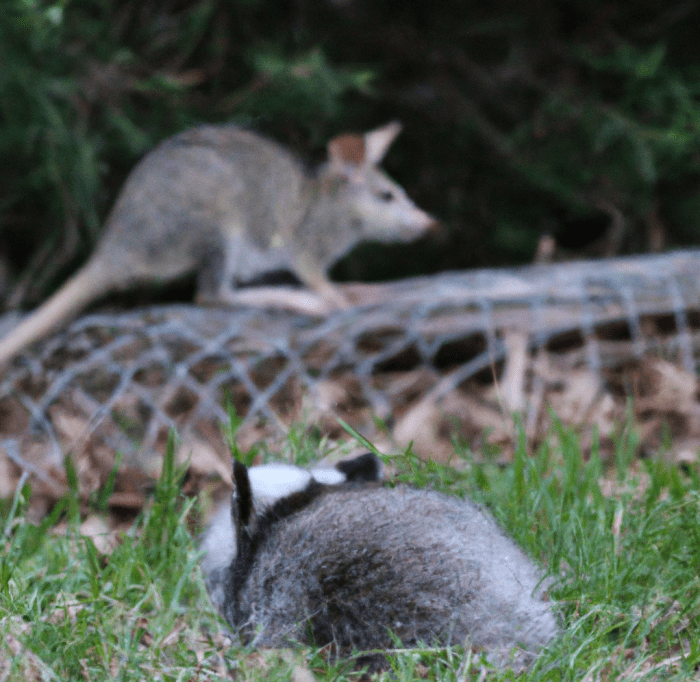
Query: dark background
x=576 y=119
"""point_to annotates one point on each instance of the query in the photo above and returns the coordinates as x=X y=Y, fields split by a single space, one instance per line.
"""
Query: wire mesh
x=118 y=382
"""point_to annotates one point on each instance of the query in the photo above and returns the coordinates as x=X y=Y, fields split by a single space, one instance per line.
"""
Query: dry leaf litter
x=455 y=358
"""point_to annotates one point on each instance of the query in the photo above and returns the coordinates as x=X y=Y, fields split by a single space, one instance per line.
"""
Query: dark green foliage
x=86 y=88
x=578 y=119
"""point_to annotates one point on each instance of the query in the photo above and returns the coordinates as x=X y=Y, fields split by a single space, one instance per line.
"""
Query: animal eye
x=386 y=196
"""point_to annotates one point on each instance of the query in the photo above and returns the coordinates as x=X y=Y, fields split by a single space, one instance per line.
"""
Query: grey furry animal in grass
x=232 y=206
x=344 y=564
x=270 y=483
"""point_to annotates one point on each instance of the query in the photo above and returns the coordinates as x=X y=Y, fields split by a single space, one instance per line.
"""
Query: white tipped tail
x=85 y=286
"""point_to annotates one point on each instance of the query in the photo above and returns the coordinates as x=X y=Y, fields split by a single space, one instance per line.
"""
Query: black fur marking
x=366 y=467
x=241 y=512
x=244 y=495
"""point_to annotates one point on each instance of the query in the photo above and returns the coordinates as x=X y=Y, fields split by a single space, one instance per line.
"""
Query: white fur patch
x=272 y=482
x=328 y=475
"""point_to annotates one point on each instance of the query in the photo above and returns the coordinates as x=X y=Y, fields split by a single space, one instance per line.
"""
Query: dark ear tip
x=239 y=470
x=243 y=496
x=367 y=467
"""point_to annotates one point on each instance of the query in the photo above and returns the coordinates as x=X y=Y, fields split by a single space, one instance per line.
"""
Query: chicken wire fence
x=118 y=382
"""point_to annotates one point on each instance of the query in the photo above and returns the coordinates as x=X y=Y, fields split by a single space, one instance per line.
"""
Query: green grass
x=624 y=557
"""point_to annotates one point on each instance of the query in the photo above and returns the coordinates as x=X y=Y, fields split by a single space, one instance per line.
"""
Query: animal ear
x=242 y=505
x=378 y=141
x=347 y=148
x=346 y=156
x=367 y=467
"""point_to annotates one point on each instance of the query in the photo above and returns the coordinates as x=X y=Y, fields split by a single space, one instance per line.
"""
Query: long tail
x=88 y=284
